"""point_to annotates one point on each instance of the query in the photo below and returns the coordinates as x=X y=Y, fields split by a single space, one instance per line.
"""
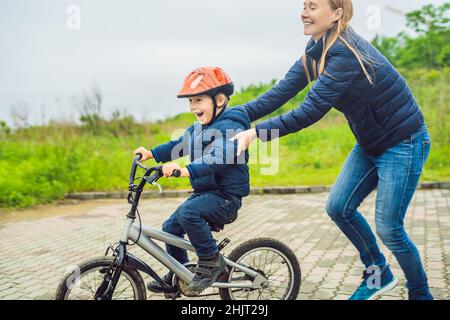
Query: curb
x=253 y=191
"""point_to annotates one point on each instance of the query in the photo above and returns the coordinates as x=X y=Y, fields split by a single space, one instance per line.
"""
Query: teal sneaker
x=375 y=282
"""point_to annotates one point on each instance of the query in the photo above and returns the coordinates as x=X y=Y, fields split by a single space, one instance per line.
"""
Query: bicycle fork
x=112 y=275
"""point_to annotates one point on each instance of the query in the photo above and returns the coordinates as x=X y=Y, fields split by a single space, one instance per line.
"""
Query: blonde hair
x=339 y=27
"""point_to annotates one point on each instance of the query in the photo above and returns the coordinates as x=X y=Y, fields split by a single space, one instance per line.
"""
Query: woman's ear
x=338 y=13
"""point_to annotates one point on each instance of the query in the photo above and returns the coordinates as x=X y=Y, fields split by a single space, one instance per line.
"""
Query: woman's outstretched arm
x=330 y=87
x=293 y=82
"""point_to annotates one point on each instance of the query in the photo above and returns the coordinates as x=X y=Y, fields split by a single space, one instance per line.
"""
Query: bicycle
x=243 y=279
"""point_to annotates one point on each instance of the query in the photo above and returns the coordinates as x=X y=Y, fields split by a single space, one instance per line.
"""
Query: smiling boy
x=219 y=178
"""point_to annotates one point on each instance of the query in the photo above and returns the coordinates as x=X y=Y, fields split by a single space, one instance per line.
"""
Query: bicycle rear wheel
x=83 y=282
x=271 y=258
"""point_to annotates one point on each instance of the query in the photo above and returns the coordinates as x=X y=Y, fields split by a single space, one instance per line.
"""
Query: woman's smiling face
x=318 y=16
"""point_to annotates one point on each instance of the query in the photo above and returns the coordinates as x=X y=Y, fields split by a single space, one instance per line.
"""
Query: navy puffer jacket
x=214 y=165
x=380 y=115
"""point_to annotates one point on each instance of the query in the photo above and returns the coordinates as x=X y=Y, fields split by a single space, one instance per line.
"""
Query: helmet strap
x=215 y=115
x=214 y=109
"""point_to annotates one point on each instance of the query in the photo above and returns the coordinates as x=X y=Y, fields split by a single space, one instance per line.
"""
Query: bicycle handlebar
x=176 y=172
x=145 y=179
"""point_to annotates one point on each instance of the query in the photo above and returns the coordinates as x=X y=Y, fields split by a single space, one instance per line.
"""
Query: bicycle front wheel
x=83 y=281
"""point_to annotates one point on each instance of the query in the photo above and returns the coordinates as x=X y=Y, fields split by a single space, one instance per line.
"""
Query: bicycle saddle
x=217 y=227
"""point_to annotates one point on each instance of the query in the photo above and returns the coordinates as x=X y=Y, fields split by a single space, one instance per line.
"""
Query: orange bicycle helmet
x=206 y=80
x=210 y=81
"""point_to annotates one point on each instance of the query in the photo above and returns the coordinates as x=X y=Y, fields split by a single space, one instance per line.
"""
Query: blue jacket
x=214 y=165
x=379 y=115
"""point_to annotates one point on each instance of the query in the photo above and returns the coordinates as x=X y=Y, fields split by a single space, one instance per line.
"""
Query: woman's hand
x=146 y=154
x=244 y=138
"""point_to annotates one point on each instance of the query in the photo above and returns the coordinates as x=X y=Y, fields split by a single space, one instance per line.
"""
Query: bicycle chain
x=179 y=294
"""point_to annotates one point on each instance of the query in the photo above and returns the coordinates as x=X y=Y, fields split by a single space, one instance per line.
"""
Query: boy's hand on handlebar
x=146 y=154
x=168 y=168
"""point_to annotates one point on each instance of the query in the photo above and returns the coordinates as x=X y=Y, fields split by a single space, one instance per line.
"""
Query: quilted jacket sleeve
x=294 y=81
x=221 y=153
x=173 y=150
x=341 y=70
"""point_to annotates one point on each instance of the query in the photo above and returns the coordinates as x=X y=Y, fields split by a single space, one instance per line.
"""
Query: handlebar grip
x=138 y=156
x=176 y=173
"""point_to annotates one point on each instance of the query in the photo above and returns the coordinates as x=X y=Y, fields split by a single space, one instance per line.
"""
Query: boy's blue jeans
x=192 y=217
x=395 y=173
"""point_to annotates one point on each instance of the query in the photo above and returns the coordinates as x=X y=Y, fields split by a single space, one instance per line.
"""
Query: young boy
x=219 y=178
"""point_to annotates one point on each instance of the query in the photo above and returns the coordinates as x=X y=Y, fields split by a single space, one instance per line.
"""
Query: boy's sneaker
x=375 y=284
x=207 y=272
x=156 y=287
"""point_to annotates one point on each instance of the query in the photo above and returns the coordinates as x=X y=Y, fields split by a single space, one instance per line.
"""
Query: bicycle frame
x=143 y=235
x=131 y=232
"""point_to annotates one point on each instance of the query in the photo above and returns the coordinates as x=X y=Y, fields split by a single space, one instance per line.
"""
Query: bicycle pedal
x=172 y=295
x=223 y=243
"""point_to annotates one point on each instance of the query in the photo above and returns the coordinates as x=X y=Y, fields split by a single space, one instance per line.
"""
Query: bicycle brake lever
x=159 y=187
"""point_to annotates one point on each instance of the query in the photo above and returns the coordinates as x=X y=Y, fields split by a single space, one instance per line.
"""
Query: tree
x=429 y=47
x=388 y=46
x=90 y=105
x=429 y=19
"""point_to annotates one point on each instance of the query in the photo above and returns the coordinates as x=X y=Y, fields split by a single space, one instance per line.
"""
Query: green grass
x=42 y=164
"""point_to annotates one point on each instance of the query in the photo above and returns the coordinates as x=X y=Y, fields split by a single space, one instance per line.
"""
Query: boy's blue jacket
x=380 y=115
x=214 y=165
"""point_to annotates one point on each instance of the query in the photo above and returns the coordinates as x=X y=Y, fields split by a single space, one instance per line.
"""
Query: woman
x=392 y=139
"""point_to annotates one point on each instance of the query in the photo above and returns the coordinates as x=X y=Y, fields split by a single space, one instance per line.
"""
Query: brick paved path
x=38 y=245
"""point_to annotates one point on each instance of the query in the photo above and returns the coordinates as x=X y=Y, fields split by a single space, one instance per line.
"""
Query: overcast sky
x=138 y=52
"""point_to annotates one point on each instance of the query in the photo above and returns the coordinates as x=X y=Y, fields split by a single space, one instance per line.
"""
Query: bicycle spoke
x=90 y=282
x=273 y=266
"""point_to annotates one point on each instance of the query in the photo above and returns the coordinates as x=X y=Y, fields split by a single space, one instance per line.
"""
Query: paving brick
x=341 y=296
x=324 y=294
x=329 y=284
x=40 y=249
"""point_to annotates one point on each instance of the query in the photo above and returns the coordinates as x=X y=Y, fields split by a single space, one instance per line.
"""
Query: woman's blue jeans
x=395 y=173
